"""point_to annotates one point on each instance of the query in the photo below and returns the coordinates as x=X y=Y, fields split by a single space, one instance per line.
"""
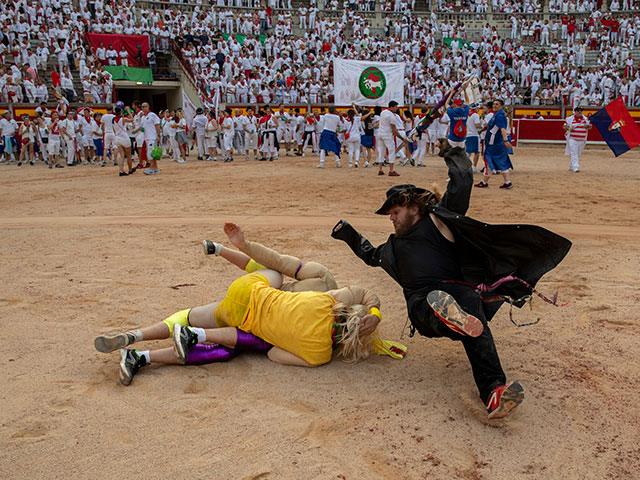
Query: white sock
x=202 y=336
x=137 y=334
x=145 y=354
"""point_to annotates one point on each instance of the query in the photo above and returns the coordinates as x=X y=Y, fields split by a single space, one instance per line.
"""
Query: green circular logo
x=372 y=83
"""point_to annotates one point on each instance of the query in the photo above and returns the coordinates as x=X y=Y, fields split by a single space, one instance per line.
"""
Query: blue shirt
x=456 y=115
x=498 y=121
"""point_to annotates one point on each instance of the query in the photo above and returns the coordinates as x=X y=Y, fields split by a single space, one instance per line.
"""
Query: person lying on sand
x=293 y=327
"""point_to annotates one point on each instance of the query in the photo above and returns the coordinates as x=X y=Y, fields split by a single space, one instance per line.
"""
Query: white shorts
x=109 y=141
x=211 y=141
x=123 y=142
x=53 y=146
x=250 y=141
x=88 y=141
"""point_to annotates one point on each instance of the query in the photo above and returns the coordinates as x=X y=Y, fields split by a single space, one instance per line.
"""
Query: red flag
x=617 y=127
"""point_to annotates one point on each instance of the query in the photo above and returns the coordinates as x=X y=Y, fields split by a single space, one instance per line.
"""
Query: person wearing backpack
x=458 y=116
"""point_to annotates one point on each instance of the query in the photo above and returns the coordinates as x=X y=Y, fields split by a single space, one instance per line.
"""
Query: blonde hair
x=353 y=347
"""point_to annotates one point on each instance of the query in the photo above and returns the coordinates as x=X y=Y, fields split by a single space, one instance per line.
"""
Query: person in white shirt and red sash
x=577 y=127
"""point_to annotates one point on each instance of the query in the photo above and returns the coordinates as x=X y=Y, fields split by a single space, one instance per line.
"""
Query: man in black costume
x=438 y=256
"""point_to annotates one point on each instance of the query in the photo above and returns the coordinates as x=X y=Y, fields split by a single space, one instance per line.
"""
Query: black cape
x=486 y=253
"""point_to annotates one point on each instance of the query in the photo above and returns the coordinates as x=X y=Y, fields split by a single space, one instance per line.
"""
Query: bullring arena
x=89 y=248
x=87 y=252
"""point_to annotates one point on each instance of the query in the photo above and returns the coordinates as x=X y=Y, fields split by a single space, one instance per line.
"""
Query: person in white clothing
x=124 y=57
x=68 y=134
x=200 y=126
x=422 y=141
x=211 y=136
x=238 y=132
x=151 y=125
x=227 y=136
x=353 y=134
x=577 y=127
x=298 y=129
x=54 y=142
x=123 y=141
x=472 y=143
x=389 y=135
x=109 y=135
x=86 y=138
x=250 y=127
x=8 y=130
x=309 y=135
x=268 y=127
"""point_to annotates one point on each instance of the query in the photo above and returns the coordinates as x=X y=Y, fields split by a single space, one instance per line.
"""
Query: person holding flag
x=577 y=127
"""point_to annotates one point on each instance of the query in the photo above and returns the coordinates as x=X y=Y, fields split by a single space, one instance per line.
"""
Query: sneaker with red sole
x=380 y=172
x=447 y=309
x=504 y=399
x=394 y=174
x=507 y=186
x=482 y=185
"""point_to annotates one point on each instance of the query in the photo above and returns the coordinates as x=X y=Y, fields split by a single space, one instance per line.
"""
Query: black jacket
x=485 y=253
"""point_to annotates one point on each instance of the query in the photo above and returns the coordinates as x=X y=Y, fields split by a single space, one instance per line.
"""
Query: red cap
x=457 y=102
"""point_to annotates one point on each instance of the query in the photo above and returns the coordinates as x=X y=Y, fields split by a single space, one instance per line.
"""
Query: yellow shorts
x=233 y=309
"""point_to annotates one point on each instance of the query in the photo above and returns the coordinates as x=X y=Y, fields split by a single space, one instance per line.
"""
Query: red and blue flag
x=617 y=127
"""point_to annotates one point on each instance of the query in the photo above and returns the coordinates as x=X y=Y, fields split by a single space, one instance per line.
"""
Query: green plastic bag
x=156 y=153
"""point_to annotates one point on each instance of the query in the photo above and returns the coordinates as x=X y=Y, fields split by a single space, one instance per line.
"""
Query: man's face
x=403 y=218
x=145 y=107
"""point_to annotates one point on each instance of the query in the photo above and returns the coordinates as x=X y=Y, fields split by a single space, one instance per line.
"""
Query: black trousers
x=481 y=351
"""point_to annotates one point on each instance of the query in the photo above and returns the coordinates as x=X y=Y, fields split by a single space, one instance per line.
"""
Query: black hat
x=392 y=196
x=199 y=110
x=577 y=109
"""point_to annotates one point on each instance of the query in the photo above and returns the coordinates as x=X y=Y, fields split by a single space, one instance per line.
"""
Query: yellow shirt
x=298 y=322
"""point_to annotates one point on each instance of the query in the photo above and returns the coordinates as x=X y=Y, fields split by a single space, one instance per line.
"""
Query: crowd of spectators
x=263 y=55
x=539 y=62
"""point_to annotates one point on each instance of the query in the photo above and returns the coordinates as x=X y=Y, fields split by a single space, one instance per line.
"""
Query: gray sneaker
x=109 y=343
x=183 y=341
x=130 y=363
x=211 y=248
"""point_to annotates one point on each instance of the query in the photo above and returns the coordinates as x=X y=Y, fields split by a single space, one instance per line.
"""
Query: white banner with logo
x=368 y=83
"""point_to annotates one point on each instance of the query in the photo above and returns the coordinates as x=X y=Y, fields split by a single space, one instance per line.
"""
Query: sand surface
x=85 y=252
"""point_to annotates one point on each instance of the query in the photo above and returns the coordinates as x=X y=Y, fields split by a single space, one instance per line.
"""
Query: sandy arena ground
x=85 y=252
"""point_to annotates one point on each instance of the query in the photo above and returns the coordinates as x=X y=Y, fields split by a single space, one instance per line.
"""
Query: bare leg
x=164 y=355
x=239 y=259
x=157 y=331
x=227 y=336
x=202 y=317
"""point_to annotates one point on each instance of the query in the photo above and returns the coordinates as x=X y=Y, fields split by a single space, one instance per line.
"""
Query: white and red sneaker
x=453 y=316
x=504 y=399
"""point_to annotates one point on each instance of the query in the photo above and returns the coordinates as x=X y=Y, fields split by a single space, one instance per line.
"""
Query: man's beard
x=403 y=228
